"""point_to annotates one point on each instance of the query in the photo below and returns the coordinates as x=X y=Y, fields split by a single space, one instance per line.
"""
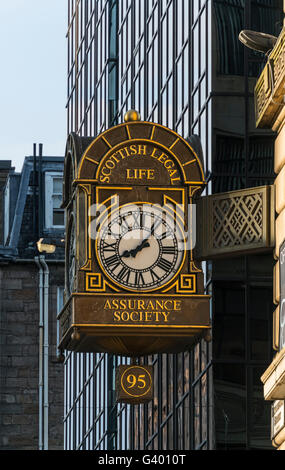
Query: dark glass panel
x=230 y=406
x=259 y=412
x=260 y=319
x=229 y=321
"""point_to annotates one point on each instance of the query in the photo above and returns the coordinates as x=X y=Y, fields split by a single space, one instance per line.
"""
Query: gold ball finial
x=132 y=115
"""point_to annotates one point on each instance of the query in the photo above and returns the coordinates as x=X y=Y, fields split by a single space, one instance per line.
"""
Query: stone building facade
x=31 y=378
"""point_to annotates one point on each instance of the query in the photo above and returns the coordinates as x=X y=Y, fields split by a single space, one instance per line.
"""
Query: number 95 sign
x=134 y=384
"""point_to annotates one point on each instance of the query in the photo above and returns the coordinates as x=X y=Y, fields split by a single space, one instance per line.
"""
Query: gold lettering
x=107 y=304
x=167 y=303
x=133 y=149
x=154 y=152
x=148 y=316
x=159 y=303
x=110 y=165
x=129 y=174
x=123 y=304
x=140 y=173
x=141 y=305
x=166 y=315
x=117 y=316
x=172 y=173
x=127 y=151
x=141 y=317
x=177 y=305
x=122 y=154
x=132 y=316
x=142 y=150
x=115 y=158
x=162 y=158
x=125 y=316
x=174 y=179
x=105 y=174
x=169 y=164
x=106 y=179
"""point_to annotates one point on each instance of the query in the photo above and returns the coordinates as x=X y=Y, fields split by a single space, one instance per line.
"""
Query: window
x=54 y=215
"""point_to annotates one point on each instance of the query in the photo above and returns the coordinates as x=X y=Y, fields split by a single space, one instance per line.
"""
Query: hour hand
x=129 y=253
x=133 y=253
x=126 y=254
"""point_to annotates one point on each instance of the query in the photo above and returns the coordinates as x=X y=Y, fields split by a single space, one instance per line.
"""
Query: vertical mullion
x=174 y=398
x=174 y=66
x=159 y=75
x=159 y=393
x=191 y=401
x=132 y=45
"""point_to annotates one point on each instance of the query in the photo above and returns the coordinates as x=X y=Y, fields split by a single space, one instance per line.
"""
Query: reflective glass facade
x=177 y=63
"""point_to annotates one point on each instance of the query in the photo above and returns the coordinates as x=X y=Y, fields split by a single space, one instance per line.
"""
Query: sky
x=33 y=52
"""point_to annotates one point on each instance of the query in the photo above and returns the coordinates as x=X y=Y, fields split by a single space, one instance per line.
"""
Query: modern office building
x=180 y=64
x=31 y=294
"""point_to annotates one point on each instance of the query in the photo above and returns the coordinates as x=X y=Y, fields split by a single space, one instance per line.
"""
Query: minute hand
x=144 y=243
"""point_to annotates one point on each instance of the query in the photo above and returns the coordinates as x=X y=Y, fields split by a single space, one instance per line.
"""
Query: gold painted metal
x=134 y=384
x=133 y=163
x=132 y=115
x=236 y=222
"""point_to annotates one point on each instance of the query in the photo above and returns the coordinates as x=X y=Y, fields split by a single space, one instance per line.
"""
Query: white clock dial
x=141 y=247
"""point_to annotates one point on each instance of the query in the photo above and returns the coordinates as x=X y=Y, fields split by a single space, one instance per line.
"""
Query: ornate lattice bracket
x=269 y=89
x=236 y=222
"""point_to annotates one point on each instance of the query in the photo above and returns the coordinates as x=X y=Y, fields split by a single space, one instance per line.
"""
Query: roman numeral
x=164 y=264
x=165 y=235
x=124 y=274
x=168 y=250
x=112 y=260
x=137 y=218
x=109 y=247
x=154 y=226
x=139 y=280
x=142 y=219
x=123 y=223
x=154 y=276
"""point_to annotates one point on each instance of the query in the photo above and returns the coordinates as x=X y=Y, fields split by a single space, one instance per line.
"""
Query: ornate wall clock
x=141 y=247
x=138 y=288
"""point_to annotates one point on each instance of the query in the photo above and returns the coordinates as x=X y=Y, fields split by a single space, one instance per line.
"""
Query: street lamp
x=49 y=245
x=260 y=42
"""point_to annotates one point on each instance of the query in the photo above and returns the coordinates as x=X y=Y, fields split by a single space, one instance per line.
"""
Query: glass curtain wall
x=179 y=63
x=154 y=56
x=242 y=287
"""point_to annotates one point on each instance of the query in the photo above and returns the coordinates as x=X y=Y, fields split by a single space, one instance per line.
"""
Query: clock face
x=140 y=247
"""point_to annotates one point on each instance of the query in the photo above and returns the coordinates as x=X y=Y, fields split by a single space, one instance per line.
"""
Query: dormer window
x=54 y=215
